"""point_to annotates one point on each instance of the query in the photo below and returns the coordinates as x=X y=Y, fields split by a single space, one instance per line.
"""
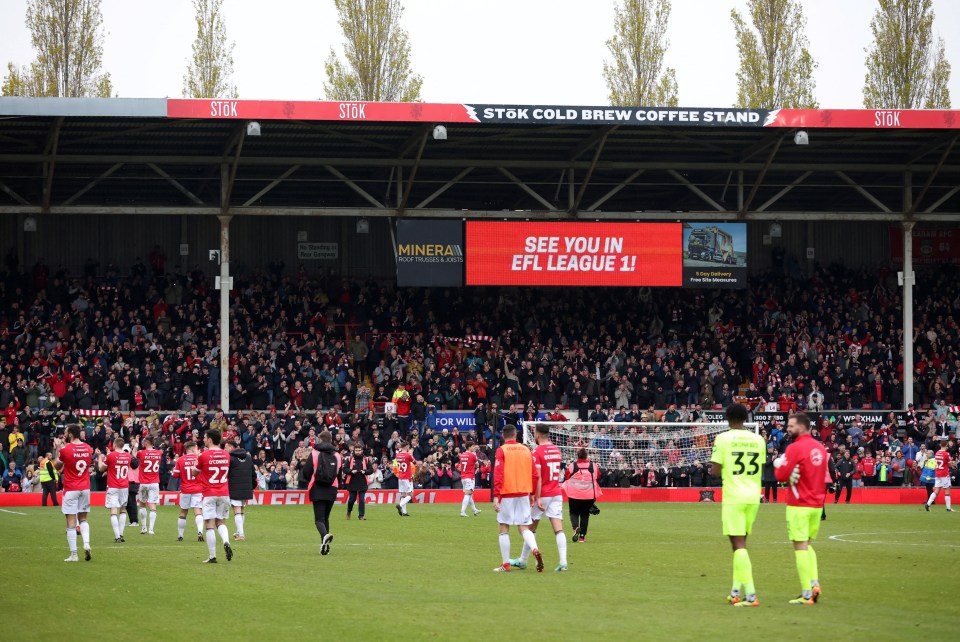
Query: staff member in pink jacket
x=582 y=491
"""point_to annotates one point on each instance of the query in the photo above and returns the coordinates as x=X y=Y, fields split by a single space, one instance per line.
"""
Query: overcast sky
x=494 y=51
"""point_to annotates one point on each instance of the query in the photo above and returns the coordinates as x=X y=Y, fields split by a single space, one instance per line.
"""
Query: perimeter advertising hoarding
x=429 y=253
x=603 y=254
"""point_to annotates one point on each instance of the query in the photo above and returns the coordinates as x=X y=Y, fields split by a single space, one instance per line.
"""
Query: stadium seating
x=141 y=350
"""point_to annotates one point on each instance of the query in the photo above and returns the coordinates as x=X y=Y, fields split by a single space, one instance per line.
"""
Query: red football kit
x=811 y=456
x=943 y=464
x=550 y=461
x=468 y=465
x=189 y=482
x=118 y=469
x=214 y=465
x=869 y=466
x=405 y=464
x=76 y=460
x=150 y=466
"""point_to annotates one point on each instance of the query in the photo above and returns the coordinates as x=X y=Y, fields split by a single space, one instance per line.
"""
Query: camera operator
x=582 y=490
x=356 y=467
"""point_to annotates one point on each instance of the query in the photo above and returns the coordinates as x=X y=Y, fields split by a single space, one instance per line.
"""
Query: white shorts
x=149 y=494
x=238 y=502
x=116 y=497
x=468 y=484
x=191 y=500
x=514 y=511
x=216 y=507
x=75 y=501
x=405 y=485
x=552 y=508
x=941 y=482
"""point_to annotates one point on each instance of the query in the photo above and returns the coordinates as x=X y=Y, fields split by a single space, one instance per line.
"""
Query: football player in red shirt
x=405 y=464
x=74 y=462
x=213 y=467
x=117 y=467
x=941 y=477
x=191 y=491
x=804 y=466
x=548 y=497
x=149 y=494
x=468 y=478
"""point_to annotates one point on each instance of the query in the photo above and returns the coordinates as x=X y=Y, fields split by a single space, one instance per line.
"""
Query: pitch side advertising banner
x=715 y=255
x=533 y=253
x=561 y=114
x=766 y=420
x=429 y=253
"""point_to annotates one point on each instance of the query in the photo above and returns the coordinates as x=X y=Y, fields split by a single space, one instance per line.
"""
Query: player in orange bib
x=514 y=484
x=548 y=462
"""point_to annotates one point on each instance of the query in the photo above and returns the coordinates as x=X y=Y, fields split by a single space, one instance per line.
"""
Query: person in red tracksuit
x=868 y=468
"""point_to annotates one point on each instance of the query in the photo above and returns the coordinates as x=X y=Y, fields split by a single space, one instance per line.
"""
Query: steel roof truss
x=526 y=188
x=696 y=190
x=453 y=181
x=863 y=192
x=356 y=188
x=89 y=186
x=180 y=188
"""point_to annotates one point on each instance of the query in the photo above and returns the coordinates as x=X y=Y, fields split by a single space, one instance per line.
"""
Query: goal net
x=633 y=446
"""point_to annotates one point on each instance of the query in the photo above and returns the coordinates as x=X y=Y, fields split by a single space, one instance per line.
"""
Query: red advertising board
x=931 y=245
x=594 y=254
x=317 y=110
x=509 y=114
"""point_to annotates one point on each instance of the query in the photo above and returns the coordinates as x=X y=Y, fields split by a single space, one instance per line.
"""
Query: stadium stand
x=136 y=352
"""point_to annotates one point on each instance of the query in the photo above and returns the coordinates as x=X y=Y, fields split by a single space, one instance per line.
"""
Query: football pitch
x=647 y=571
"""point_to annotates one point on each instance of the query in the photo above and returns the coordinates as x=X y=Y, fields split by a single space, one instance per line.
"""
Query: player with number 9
x=213 y=467
x=738 y=457
x=74 y=460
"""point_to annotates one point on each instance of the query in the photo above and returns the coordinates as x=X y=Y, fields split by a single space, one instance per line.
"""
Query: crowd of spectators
x=315 y=350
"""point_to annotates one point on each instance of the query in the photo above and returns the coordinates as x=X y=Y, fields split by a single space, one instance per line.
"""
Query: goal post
x=632 y=446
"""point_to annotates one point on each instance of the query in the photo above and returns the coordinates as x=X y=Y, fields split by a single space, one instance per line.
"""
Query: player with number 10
x=117 y=467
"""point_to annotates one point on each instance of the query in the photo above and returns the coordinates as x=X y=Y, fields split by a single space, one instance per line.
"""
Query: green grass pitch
x=647 y=571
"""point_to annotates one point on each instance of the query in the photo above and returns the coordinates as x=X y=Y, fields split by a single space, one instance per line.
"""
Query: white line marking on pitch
x=12 y=512
x=840 y=538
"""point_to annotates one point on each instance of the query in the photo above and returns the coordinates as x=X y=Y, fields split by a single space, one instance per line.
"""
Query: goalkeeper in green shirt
x=738 y=457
